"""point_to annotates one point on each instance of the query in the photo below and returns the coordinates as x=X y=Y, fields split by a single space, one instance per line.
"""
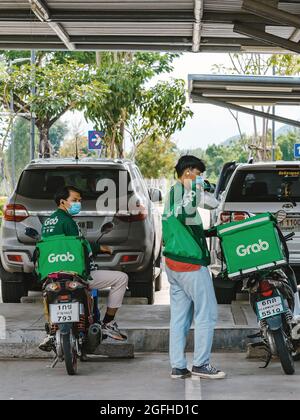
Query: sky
x=210 y=124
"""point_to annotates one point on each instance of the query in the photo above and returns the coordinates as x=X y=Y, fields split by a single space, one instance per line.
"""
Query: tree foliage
x=59 y=87
x=68 y=148
x=132 y=105
x=156 y=158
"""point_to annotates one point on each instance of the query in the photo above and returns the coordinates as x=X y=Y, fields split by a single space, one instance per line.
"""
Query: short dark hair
x=63 y=193
x=189 y=162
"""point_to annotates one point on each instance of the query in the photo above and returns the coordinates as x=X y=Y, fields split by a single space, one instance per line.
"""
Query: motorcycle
x=72 y=311
x=272 y=297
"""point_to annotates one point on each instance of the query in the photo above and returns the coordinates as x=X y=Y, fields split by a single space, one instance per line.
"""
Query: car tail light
x=129 y=258
x=225 y=217
x=237 y=216
x=15 y=258
x=266 y=289
x=15 y=213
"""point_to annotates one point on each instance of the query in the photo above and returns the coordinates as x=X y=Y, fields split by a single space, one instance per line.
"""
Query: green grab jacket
x=62 y=223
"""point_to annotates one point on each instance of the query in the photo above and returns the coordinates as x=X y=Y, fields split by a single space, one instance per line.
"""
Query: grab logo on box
x=261 y=246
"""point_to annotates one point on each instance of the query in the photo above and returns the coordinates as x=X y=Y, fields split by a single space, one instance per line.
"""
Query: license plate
x=270 y=307
x=64 y=312
x=291 y=224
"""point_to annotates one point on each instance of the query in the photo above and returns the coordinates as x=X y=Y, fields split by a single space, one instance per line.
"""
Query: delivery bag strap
x=284 y=244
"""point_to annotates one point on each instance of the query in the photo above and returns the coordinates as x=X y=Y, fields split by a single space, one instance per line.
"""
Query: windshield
x=265 y=186
x=43 y=183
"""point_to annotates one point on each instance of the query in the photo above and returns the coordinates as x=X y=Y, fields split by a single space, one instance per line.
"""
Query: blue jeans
x=192 y=297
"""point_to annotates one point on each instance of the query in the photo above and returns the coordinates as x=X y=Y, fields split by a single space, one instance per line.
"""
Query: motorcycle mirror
x=32 y=233
x=108 y=227
x=280 y=216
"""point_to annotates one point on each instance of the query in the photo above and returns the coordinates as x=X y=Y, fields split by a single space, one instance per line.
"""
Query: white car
x=258 y=188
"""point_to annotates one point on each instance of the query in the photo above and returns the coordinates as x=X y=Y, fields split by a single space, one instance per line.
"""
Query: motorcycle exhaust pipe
x=94 y=337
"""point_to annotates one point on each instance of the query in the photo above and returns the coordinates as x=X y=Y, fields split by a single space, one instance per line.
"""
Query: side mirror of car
x=32 y=233
x=209 y=187
x=155 y=195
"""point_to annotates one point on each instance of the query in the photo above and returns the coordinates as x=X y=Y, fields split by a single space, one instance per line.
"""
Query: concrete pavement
x=145 y=378
x=147 y=326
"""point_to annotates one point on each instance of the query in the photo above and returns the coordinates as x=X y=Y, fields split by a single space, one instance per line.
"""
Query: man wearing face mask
x=61 y=222
x=187 y=260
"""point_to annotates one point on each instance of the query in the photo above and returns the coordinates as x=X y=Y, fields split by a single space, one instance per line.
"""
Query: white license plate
x=64 y=312
x=270 y=307
x=291 y=224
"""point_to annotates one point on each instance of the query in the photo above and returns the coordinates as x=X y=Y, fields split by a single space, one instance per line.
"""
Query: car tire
x=158 y=283
x=296 y=270
x=158 y=279
x=143 y=284
x=12 y=292
x=225 y=296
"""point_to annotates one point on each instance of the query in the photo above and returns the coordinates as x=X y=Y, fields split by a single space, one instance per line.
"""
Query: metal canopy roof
x=238 y=92
x=181 y=25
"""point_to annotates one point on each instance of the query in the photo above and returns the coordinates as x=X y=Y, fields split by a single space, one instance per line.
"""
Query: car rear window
x=43 y=183
x=265 y=186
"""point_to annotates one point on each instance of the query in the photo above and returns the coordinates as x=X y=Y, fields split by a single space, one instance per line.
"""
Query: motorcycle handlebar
x=289 y=236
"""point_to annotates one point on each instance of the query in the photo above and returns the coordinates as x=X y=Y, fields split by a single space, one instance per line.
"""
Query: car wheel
x=143 y=284
x=158 y=283
x=158 y=279
x=225 y=296
x=12 y=292
x=296 y=270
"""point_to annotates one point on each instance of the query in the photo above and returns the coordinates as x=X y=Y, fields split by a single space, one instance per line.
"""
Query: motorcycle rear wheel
x=283 y=352
x=70 y=354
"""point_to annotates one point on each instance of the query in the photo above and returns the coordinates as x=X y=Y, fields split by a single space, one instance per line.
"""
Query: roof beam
x=269 y=12
x=61 y=16
x=228 y=17
x=239 y=108
x=42 y=12
x=198 y=10
x=255 y=33
x=101 y=39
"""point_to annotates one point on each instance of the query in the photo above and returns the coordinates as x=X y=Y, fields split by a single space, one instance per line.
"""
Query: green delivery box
x=60 y=253
x=250 y=245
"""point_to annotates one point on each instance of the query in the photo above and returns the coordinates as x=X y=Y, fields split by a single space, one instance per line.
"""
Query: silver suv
x=136 y=239
x=258 y=188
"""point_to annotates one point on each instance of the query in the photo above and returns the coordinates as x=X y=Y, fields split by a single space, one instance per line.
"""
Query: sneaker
x=180 y=373
x=47 y=344
x=112 y=330
x=208 y=372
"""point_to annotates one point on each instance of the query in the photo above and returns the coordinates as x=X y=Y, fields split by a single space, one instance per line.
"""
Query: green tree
x=22 y=143
x=131 y=106
x=156 y=158
x=286 y=143
x=57 y=134
x=68 y=148
x=59 y=87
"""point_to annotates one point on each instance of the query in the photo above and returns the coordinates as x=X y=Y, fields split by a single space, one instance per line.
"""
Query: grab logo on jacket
x=51 y=221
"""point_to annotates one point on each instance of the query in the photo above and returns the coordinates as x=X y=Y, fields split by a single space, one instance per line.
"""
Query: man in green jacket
x=61 y=222
x=187 y=260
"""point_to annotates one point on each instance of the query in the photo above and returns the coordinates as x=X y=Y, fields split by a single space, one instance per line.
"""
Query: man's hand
x=106 y=249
